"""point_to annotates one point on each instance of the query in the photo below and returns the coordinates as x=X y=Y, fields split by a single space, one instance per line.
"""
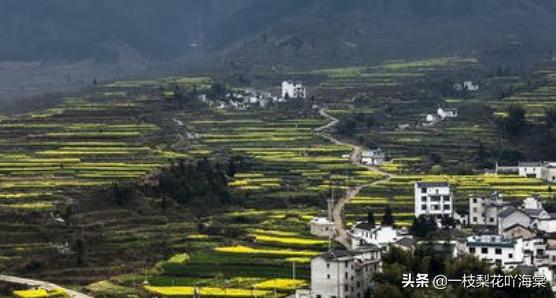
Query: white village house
x=322 y=227
x=540 y=170
x=484 y=210
x=433 y=199
x=373 y=157
x=496 y=249
x=292 y=89
x=363 y=233
x=447 y=113
x=342 y=273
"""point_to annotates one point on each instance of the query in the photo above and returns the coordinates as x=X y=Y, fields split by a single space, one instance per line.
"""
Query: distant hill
x=56 y=30
x=68 y=44
x=309 y=32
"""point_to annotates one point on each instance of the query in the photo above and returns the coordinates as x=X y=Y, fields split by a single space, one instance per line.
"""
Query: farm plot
x=50 y=157
x=398 y=193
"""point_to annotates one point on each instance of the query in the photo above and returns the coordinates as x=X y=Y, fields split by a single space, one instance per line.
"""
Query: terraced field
x=284 y=173
x=288 y=176
x=398 y=192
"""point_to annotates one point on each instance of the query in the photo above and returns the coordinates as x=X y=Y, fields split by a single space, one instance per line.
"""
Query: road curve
x=342 y=235
x=39 y=283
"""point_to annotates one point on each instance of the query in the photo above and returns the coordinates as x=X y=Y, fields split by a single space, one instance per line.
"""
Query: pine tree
x=371 y=218
x=388 y=218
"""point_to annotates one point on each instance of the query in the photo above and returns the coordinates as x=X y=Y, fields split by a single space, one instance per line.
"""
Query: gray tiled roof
x=406 y=241
x=364 y=226
x=533 y=212
x=432 y=184
x=529 y=164
x=506 y=212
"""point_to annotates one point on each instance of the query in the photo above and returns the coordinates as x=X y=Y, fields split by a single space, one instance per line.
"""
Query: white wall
x=424 y=199
x=530 y=171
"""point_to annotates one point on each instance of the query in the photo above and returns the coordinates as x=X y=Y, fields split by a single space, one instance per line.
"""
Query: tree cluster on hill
x=532 y=140
x=352 y=124
x=202 y=186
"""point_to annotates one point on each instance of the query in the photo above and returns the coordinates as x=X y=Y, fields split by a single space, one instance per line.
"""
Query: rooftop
x=432 y=184
x=342 y=253
x=364 y=226
x=490 y=240
x=506 y=212
x=530 y=164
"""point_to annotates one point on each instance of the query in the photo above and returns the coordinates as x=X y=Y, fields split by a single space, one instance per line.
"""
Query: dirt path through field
x=338 y=211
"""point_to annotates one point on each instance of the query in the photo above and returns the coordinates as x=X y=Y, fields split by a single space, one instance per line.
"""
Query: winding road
x=342 y=235
x=40 y=284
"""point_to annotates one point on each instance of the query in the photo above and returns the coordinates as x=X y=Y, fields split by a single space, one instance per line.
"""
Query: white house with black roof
x=343 y=273
x=530 y=169
x=511 y=216
x=362 y=233
x=433 y=199
x=504 y=252
x=484 y=210
x=373 y=157
x=540 y=170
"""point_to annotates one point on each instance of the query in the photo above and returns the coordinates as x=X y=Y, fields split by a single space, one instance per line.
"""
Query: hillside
x=328 y=32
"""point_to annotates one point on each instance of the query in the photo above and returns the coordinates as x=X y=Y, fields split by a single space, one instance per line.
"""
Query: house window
x=510 y=256
x=484 y=250
x=423 y=207
x=423 y=190
x=346 y=288
x=424 y=198
x=553 y=258
x=498 y=251
x=319 y=296
x=472 y=250
x=475 y=219
x=474 y=200
x=346 y=274
x=491 y=219
x=446 y=207
x=327 y=265
x=328 y=276
x=475 y=209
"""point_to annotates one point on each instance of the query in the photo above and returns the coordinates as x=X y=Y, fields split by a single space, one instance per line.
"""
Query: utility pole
x=293 y=270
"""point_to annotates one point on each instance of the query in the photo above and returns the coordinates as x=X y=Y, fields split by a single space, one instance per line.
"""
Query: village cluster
x=508 y=234
x=243 y=99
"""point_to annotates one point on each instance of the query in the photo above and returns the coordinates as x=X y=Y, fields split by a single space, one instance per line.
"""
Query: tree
x=371 y=218
x=514 y=123
x=423 y=226
x=80 y=248
x=231 y=172
x=388 y=217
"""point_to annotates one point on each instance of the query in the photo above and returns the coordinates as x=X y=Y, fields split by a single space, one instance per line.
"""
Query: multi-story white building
x=483 y=210
x=342 y=273
x=495 y=249
x=373 y=157
x=293 y=90
x=433 y=199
